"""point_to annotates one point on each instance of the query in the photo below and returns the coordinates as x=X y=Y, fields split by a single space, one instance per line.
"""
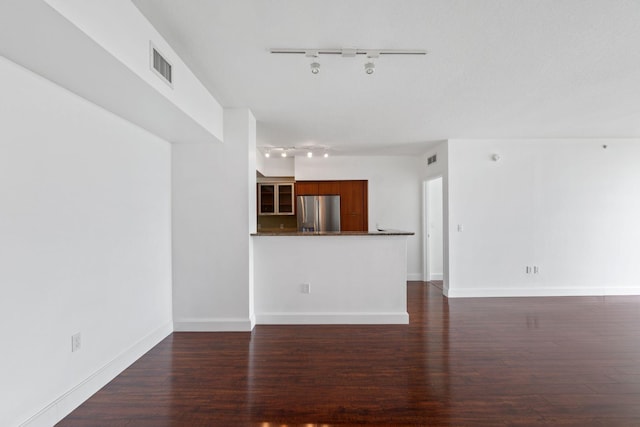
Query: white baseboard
x=65 y=404
x=538 y=292
x=234 y=324
x=332 y=318
x=420 y=278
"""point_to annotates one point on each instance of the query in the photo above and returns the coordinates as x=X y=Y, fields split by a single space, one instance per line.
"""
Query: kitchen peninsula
x=353 y=277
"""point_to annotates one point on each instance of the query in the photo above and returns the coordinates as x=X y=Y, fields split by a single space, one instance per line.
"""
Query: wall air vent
x=161 y=66
x=432 y=159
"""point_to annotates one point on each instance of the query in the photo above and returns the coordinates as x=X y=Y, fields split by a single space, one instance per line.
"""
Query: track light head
x=315 y=67
x=369 y=68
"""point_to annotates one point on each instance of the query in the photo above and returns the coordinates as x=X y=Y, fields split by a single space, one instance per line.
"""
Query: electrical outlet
x=75 y=342
x=306 y=288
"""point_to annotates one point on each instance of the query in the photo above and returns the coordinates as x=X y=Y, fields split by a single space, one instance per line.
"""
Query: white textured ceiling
x=495 y=68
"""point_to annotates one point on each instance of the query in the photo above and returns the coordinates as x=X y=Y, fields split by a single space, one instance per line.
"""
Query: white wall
x=260 y=162
x=85 y=223
x=353 y=279
x=214 y=212
x=101 y=51
x=123 y=31
x=276 y=166
x=566 y=206
x=395 y=193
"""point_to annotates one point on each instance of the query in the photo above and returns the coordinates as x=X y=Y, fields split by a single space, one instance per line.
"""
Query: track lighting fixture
x=348 y=52
x=293 y=151
x=371 y=54
x=369 y=68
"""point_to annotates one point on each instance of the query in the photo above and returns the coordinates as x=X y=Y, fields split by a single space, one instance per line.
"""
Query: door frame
x=426 y=273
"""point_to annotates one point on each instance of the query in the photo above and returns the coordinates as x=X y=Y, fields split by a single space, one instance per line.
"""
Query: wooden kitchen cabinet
x=307 y=188
x=328 y=188
x=354 y=201
x=354 y=206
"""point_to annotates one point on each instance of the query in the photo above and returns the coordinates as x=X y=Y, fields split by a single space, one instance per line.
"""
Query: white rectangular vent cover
x=161 y=66
x=432 y=159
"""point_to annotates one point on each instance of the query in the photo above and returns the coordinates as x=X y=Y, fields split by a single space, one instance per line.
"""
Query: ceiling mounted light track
x=348 y=52
x=294 y=151
x=370 y=54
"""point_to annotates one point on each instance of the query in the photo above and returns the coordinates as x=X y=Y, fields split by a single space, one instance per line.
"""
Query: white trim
x=425 y=228
x=65 y=404
x=415 y=276
x=332 y=318
x=425 y=225
x=233 y=324
x=445 y=289
x=539 y=292
x=436 y=276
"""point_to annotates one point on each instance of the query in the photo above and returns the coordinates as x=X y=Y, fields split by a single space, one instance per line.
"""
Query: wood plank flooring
x=567 y=361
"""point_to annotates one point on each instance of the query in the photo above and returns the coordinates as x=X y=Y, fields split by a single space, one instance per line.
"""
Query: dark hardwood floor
x=568 y=361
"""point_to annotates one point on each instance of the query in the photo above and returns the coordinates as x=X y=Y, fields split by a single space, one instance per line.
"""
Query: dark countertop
x=338 y=233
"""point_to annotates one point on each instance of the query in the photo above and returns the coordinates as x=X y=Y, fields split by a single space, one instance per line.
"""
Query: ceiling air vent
x=161 y=66
x=432 y=160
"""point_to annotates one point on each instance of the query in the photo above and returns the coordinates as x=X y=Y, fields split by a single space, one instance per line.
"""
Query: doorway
x=433 y=244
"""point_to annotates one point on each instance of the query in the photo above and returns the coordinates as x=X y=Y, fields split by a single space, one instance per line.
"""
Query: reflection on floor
x=436 y=283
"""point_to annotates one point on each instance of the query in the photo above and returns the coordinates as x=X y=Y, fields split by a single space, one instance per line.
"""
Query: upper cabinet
x=276 y=199
x=329 y=188
x=285 y=199
x=307 y=188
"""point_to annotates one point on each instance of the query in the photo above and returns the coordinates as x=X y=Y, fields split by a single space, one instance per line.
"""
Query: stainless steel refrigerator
x=318 y=213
